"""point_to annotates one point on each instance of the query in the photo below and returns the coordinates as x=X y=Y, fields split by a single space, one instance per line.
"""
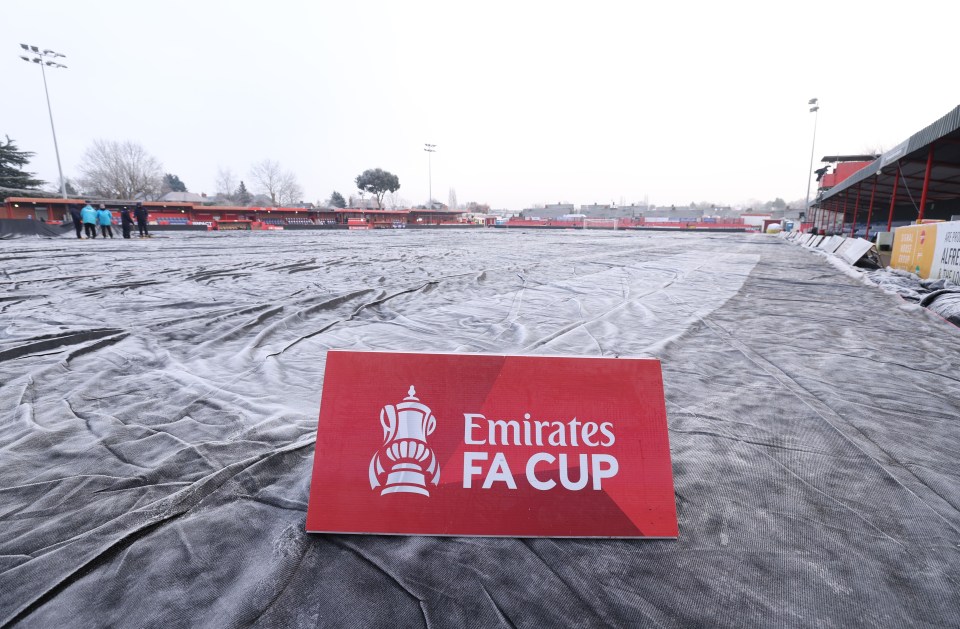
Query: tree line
x=125 y=170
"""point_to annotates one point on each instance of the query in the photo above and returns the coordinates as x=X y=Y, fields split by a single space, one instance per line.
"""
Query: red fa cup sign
x=519 y=446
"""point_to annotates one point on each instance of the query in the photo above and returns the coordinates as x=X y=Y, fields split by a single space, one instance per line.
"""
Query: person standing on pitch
x=141 y=214
x=126 y=221
x=89 y=217
x=105 y=218
x=77 y=220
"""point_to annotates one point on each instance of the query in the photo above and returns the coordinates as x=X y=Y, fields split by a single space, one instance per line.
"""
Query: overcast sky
x=527 y=102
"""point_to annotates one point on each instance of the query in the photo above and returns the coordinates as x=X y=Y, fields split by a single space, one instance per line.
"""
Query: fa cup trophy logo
x=409 y=459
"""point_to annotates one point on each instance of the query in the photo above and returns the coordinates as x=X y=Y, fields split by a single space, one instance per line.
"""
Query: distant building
x=552 y=210
x=794 y=214
x=184 y=197
x=722 y=211
x=614 y=211
x=671 y=213
x=593 y=210
x=359 y=203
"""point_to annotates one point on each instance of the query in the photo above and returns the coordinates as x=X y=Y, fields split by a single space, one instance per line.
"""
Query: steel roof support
x=893 y=197
x=856 y=211
x=873 y=192
x=926 y=183
x=838 y=229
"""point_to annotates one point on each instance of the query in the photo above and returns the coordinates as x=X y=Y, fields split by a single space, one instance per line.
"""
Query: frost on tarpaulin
x=937 y=295
x=158 y=404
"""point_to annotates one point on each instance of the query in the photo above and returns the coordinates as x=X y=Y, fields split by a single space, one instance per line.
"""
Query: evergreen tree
x=172 y=183
x=243 y=196
x=337 y=200
x=12 y=161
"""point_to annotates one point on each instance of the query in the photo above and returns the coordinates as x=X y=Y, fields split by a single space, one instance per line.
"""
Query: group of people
x=87 y=220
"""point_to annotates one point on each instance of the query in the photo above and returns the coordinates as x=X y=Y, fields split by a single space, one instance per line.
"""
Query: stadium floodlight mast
x=814 y=107
x=430 y=148
x=45 y=58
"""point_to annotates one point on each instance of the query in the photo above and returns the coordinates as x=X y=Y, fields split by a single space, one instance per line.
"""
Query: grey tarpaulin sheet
x=17 y=228
x=158 y=403
x=939 y=295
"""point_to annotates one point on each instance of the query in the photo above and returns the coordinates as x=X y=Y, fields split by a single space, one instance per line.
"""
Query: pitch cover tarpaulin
x=158 y=418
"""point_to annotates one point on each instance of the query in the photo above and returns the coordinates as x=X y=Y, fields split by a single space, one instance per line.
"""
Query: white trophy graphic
x=409 y=460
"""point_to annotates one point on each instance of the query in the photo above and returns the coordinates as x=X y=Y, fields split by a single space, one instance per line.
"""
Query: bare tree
x=280 y=185
x=478 y=208
x=226 y=183
x=120 y=170
x=395 y=202
x=290 y=191
x=452 y=199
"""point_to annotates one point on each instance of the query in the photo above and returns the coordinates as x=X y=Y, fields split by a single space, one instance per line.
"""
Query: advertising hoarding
x=492 y=445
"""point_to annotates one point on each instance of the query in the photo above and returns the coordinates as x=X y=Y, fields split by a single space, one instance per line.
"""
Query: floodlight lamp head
x=812 y=101
x=814 y=108
x=25 y=58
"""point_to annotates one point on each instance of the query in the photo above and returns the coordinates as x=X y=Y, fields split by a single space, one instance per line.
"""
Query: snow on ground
x=159 y=399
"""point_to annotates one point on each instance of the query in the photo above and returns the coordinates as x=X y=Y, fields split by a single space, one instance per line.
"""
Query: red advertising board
x=474 y=444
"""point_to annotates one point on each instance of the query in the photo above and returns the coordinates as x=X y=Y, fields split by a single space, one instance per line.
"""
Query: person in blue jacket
x=89 y=217
x=105 y=218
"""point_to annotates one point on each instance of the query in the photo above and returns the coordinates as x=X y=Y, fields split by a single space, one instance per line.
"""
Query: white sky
x=528 y=102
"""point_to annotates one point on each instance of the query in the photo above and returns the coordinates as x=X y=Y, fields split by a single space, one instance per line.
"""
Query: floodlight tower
x=814 y=107
x=45 y=58
x=430 y=148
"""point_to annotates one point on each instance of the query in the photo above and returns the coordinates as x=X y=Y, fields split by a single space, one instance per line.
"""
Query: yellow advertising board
x=931 y=250
x=914 y=248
